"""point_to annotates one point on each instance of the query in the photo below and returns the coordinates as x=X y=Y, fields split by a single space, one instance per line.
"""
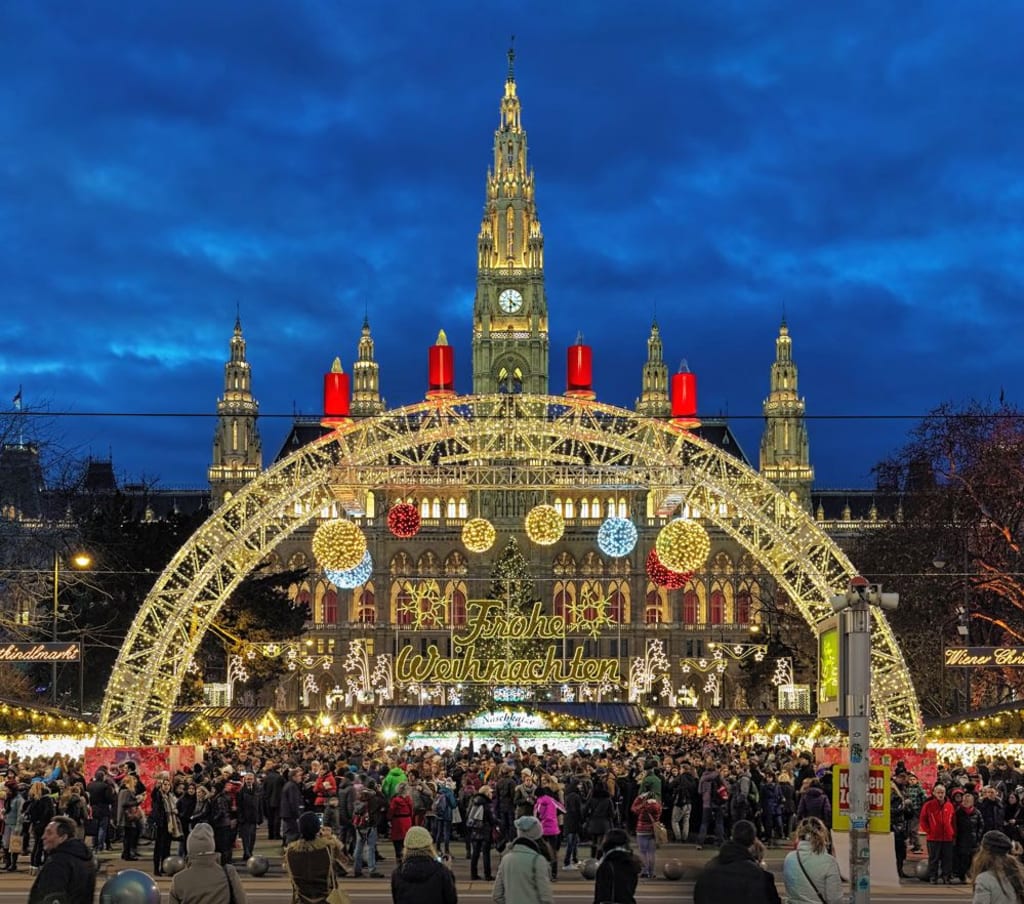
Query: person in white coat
x=810 y=872
x=998 y=877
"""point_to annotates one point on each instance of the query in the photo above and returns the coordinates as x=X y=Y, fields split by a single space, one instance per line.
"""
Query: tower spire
x=510 y=315
x=237 y=449
x=785 y=452
x=654 y=400
x=512 y=59
x=366 y=400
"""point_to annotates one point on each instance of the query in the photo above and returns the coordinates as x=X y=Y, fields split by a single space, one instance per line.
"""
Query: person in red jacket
x=938 y=822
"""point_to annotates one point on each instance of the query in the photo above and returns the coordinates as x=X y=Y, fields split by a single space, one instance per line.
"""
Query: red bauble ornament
x=665 y=577
x=404 y=520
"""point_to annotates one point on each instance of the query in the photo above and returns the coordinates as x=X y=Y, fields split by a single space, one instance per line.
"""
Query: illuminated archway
x=479 y=443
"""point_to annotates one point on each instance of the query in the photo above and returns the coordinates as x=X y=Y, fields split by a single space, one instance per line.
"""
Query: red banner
x=923 y=765
x=148 y=762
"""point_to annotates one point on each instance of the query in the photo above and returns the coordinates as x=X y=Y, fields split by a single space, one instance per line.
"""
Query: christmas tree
x=511 y=585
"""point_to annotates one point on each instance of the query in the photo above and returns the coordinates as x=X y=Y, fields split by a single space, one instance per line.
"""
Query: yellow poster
x=878 y=798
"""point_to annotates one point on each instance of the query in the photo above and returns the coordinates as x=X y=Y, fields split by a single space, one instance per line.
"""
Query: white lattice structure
x=482 y=443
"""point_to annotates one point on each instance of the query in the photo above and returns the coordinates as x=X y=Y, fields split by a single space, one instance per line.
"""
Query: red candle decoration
x=404 y=520
x=579 y=371
x=441 y=368
x=684 y=397
x=336 y=396
x=662 y=576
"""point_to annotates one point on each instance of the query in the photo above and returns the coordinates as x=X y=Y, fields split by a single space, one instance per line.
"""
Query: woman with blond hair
x=998 y=877
x=810 y=872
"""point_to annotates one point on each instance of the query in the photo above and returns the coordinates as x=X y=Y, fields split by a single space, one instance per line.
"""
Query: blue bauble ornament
x=617 y=537
x=354 y=577
x=130 y=886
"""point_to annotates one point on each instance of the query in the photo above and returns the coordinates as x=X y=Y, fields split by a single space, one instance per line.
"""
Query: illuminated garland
x=478 y=535
x=339 y=545
x=617 y=537
x=353 y=577
x=404 y=520
x=544 y=525
x=665 y=577
x=683 y=545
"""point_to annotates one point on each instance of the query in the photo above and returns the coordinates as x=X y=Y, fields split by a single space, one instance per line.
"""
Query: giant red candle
x=441 y=367
x=580 y=371
x=684 y=395
x=336 y=394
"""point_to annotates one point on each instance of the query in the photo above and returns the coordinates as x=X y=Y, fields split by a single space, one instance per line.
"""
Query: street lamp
x=79 y=560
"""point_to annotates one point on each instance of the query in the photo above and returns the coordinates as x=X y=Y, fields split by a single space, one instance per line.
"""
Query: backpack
x=721 y=789
x=753 y=795
x=475 y=819
x=360 y=816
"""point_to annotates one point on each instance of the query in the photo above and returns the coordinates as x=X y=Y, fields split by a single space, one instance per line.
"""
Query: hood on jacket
x=624 y=856
x=419 y=867
x=731 y=852
x=73 y=847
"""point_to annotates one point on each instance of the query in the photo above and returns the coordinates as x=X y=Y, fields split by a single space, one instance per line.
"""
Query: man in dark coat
x=250 y=814
x=102 y=799
x=291 y=807
x=735 y=874
x=68 y=874
x=273 y=785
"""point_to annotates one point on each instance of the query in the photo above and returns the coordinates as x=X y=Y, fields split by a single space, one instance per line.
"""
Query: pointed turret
x=366 y=400
x=654 y=401
x=785 y=453
x=510 y=314
x=237 y=450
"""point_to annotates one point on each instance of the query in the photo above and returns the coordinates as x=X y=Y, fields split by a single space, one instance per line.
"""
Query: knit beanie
x=200 y=840
x=309 y=825
x=418 y=839
x=529 y=827
x=996 y=842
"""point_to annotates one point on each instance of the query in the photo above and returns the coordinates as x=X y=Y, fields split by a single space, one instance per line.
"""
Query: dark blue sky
x=713 y=163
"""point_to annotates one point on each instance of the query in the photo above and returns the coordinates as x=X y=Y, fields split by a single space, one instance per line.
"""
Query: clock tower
x=510 y=313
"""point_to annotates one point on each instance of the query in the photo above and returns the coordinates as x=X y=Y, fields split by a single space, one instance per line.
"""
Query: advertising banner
x=878 y=798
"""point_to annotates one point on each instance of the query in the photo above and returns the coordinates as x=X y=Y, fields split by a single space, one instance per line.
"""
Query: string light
x=683 y=545
x=544 y=525
x=353 y=577
x=665 y=577
x=339 y=545
x=478 y=535
x=617 y=537
x=404 y=520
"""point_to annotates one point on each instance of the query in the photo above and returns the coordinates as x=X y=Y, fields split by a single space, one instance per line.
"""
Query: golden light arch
x=478 y=443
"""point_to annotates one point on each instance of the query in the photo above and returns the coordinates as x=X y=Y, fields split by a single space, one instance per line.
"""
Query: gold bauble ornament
x=339 y=545
x=478 y=535
x=544 y=525
x=683 y=545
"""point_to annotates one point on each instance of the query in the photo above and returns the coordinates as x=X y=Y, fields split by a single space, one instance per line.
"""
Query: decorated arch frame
x=528 y=442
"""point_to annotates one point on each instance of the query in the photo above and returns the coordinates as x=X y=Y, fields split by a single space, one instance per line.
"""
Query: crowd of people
x=333 y=801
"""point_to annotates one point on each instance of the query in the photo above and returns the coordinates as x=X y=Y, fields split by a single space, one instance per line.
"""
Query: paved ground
x=571 y=887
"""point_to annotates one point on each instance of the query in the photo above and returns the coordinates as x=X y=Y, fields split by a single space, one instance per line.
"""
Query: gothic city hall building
x=425 y=591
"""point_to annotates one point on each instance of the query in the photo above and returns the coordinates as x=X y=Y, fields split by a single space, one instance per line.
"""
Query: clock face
x=510 y=301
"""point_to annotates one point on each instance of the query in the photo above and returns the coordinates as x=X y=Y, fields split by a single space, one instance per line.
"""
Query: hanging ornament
x=353 y=577
x=544 y=525
x=478 y=535
x=404 y=520
x=665 y=577
x=339 y=545
x=683 y=545
x=616 y=537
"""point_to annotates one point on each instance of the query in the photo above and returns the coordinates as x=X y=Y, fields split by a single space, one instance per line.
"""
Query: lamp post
x=857 y=707
x=78 y=560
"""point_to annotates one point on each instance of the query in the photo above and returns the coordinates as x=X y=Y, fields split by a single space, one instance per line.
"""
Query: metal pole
x=56 y=588
x=858 y=709
x=81 y=674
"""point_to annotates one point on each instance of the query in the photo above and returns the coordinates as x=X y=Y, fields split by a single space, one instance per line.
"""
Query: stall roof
x=621 y=715
x=236 y=715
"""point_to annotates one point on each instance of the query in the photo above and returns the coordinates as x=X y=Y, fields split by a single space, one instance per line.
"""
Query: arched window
x=618 y=602
x=564 y=598
x=584 y=508
x=717 y=606
x=569 y=506
x=654 y=605
x=424 y=508
x=330 y=604
x=456 y=592
x=452 y=508
x=463 y=507
x=365 y=605
x=401 y=598
x=691 y=607
x=558 y=506
x=743 y=607
x=435 y=509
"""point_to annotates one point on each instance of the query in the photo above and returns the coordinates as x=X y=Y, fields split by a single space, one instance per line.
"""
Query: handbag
x=660 y=834
x=15 y=845
x=821 y=897
x=335 y=893
x=456 y=816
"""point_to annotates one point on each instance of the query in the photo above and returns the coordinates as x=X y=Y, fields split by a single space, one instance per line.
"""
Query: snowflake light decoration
x=425 y=607
x=590 y=613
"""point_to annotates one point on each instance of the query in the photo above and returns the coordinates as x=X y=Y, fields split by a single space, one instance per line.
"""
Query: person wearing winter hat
x=203 y=880
x=421 y=878
x=524 y=875
x=618 y=871
x=997 y=876
x=313 y=862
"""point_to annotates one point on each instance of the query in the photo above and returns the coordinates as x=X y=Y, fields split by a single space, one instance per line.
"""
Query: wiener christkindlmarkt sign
x=985 y=657
x=39 y=652
x=487 y=620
